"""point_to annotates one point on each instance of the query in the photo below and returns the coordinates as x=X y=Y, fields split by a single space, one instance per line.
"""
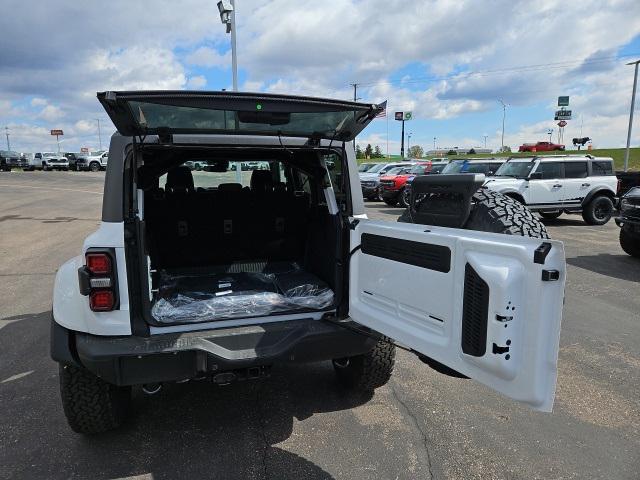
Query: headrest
x=179 y=178
x=230 y=187
x=261 y=181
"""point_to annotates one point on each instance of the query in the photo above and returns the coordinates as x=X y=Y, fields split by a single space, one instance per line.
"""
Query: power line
x=481 y=73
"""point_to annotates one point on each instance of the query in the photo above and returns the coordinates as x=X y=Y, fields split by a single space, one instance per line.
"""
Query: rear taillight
x=98 y=263
x=101 y=300
x=98 y=280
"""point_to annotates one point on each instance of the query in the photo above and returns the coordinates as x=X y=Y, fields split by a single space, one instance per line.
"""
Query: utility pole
x=6 y=132
x=485 y=140
x=633 y=103
x=99 y=134
x=402 y=142
x=409 y=143
x=434 y=144
x=355 y=91
x=504 y=114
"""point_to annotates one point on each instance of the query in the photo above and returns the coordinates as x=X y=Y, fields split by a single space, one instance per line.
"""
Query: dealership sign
x=403 y=116
x=563 y=115
x=563 y=101
x=56 y=132
x=562 y=123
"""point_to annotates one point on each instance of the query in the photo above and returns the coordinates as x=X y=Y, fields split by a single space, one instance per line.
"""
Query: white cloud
x=196 y=82
x=38 y=102
x=208 y=57
x=319 y=48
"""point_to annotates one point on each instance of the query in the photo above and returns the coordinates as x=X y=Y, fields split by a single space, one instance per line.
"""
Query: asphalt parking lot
x=298 y=424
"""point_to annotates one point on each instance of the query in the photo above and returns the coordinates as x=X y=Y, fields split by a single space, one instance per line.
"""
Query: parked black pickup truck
x=629 y=222
x=9 y=160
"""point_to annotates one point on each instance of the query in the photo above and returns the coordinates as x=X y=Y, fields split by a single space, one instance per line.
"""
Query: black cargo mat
x=238 y=290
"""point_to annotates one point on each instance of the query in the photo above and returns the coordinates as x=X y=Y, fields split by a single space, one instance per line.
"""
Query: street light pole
x=434 y=144
x=6 y=132
x=228 y=17
x=99 y=133
x=504 y=114
x=633 y=102
x=409 y=144
x=485 y=140
x=234 y=59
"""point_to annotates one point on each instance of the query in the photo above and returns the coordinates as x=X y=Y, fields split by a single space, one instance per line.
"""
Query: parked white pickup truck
x=94 y=161
x=48 y=161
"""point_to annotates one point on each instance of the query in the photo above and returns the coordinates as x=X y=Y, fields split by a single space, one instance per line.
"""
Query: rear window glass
x=602 y=167
x=190 y=119
x=209 y=180
x=550 y=170
x=575 y=170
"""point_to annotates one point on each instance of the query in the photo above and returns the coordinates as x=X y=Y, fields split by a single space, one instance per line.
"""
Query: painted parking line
x=48 y=188
x=17 y=376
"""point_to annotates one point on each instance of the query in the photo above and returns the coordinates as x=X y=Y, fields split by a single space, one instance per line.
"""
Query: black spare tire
x=496 y=213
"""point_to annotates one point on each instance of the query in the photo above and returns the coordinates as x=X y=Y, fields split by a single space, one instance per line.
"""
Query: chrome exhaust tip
x=151 y=388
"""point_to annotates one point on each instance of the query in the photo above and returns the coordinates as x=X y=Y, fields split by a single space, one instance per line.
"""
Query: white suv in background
x=551 y=185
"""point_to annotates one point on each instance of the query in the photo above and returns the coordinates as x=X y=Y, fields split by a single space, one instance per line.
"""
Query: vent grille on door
x=475 y=312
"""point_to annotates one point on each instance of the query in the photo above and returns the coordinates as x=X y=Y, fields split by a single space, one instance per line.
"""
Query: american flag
x=383 y=113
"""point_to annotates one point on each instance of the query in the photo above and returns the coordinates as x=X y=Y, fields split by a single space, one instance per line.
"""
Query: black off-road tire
x=550 y=215
x=90 y=404
x=94 y=167
x=364 y=373
x=598 y=211
x=402 y=199
x=496 y=213
x=629 y=242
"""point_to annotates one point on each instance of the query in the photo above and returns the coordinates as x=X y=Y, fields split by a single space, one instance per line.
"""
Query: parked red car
x=392 y=186
x=540 y=147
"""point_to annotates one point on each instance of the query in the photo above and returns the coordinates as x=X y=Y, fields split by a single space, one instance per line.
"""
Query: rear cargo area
x=244 y=290
x=232 y=251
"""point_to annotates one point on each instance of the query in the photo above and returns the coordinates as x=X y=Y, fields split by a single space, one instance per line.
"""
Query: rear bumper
x=634 y=222
x=171 y=357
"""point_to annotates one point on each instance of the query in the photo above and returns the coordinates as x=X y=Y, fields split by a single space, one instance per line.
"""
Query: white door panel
x=408 y=282
x=550 y=191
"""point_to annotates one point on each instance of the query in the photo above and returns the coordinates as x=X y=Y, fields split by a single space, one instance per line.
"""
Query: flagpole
x=387 y=117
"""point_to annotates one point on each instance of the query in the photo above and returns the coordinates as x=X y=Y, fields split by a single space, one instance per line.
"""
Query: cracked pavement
x=299 y=423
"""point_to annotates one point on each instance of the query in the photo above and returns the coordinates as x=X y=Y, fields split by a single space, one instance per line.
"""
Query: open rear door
x=486 y=305
x=236 y=113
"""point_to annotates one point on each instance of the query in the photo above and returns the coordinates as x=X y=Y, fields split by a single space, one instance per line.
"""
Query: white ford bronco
x=555 y=184
x=194 y=275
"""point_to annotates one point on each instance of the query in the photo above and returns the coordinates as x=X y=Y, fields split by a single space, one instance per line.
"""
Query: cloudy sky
x=448 y=61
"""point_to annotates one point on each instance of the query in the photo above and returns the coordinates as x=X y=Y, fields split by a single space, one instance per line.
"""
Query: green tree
x=416 y=151
x=505 y=149
x=377 y=153
x=368 y=151
x=359 y=152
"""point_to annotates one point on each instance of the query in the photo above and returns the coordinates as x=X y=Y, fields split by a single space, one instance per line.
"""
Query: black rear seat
x=192 y=228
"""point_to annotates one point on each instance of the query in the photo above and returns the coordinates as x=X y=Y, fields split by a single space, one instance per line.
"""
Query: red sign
x=56 y=132
x=84 y=150
x=562 y=123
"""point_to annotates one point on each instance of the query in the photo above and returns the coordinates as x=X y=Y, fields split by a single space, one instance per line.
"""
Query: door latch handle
x=586 y=184
x=557 y=185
